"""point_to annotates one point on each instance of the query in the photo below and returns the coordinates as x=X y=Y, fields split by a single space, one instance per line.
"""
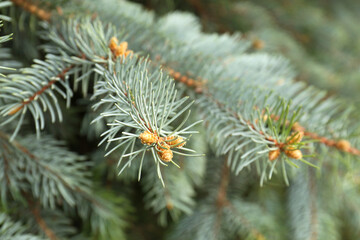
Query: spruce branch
x=36 y=88
x=56 y=178
x=141 y=105
x=179 y=77
x=60 y=76
x=188 y=81
x=26 y=92
x=341 y=144
x=298 y=93
x=63 y=55
x=35 y=161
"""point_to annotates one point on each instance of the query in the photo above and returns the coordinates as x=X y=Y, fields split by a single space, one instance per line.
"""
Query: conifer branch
x=201 y=89
x=250 y=102
x=60 y=76
x=70 y=186
x=60 y=178
x=198 y=86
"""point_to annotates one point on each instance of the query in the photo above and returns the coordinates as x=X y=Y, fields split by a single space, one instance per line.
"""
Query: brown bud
x=148 y=138
x=43 y=15
x=113 y=43
x=293 y=153
x=343 y=145
x=121 y=49
x=258 y=44
x=59 y=10
x=171 y=72
x=176 y=75
x=274 y=154
x=190 y=82
x=129 y=52
x=164 y=152
x=169 y=206
x=183 y=79
x=32 y=8
x=123 y=46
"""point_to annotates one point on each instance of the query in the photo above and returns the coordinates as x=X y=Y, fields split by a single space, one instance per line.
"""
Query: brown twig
x=6 y=167
x=33 y=9
x=221 y=199
x=42 y=90
x=328 y=142
x=35 y=210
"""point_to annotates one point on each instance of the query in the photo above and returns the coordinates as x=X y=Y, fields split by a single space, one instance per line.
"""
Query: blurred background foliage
x=321 y=38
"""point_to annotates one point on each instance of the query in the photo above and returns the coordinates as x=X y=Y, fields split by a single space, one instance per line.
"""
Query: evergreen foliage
x=226 y=142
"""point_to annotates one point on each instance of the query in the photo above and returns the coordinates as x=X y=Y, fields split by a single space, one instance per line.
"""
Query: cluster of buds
x=289 y=147
x=34 y=9
x=119 y=50
x=163 y=144
x=148 y=138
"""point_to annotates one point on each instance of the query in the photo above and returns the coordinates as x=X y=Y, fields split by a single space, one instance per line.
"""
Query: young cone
x=343 y=145
x=293 y=153
x=274 y=154
x=165 y=154
x=148 y=138
x=113 y=43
